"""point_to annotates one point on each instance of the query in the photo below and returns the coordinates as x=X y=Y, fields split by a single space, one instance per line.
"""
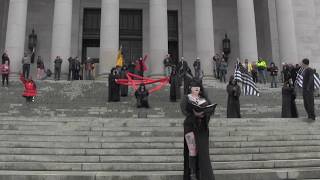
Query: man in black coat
x=308 y=89
x=57 y=68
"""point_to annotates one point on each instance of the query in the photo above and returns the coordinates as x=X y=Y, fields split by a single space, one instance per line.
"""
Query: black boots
x=193 y=168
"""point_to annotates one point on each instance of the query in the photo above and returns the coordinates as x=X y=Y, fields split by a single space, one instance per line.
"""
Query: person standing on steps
x=57 y=68
x=308 y=89
x=289 y=108
x=234 y=92
x=197 y=163
x=114 y=88
x=26 y=61
x=142 y=95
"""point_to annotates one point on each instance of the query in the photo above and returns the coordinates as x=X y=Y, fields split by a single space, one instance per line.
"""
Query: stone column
x=204 y=34
x=61 y=33
x=109 y=35
x=247 y=30
x=158 y=35
x=16 y=33
x=286 y=31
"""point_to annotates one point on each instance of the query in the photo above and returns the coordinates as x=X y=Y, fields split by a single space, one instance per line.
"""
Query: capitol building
x=276 y=30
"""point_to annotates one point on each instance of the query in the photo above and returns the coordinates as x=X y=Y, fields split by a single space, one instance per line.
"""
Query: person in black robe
x=289 y=107
x=142 y=95
x=186 y=74
x=123 y=75
x=174 y=86
x=308 y=89
x=234 y=92
x=114 y=88
x=197 y=164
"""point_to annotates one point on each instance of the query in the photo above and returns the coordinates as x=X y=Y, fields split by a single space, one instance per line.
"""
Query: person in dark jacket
x=5 y=58
x=30 y=89
x=114 y=88
x=142 y=95
x=197 y=163
x=174 y=85
x=57 y=68
x=308 y=89
x=234 y=92
x=72 y=65
x=286 y=74
x=123 y=75
x=289 y=107
x=273 y=69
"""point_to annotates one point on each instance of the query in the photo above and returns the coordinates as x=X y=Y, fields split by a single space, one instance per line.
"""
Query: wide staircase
x=72 y=133
x=95 y=148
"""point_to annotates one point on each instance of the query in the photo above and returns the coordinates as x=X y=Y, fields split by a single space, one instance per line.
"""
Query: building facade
x=277 y=30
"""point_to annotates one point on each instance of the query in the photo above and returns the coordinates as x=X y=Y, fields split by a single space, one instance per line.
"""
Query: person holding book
x=234 y=92
x=197 y=109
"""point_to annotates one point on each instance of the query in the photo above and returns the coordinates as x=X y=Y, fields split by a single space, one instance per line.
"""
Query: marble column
x=247 y=30
x=16 y=33
x=286 y=31
x=109 y=35
x=158 y=35
x=204 y=34
x=61 y=33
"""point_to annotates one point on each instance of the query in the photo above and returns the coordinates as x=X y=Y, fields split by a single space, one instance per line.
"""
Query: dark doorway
x=173 y=38
x=91 y=33
x=130 y=37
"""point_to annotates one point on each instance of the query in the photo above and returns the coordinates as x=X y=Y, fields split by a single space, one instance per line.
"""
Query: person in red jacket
x=30 y=89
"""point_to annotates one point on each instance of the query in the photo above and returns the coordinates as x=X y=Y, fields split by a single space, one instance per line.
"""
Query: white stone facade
x=267 y=17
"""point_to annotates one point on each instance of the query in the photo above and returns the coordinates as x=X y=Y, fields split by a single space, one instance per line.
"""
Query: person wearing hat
x=197 y=164
x=308 y=89
x=234 y=92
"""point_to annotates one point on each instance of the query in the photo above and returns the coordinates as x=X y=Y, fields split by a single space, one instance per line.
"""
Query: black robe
x=123 y=88
x=289 y=108
x=174 y=88
x=201 y=132
x=114 y=89
x=142 y=98
x=308 y=92
x=233 y=106
x=187 y=78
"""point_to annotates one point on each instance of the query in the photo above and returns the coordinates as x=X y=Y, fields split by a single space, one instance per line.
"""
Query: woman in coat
x=289 y=108
x=197 y=164
x=234 y=92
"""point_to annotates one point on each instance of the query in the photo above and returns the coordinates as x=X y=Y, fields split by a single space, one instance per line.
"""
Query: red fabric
x=145 y=68
x=30 y=88
x=142 y=80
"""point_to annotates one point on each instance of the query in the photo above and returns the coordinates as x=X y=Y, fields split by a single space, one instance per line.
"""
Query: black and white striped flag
x=248 y=85
x=299 y=80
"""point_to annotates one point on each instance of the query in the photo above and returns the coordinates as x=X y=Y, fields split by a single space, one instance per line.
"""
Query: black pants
x=71 y=74
x=308 y=102
x=57 y=72
x=26 y=70
x=5 y=77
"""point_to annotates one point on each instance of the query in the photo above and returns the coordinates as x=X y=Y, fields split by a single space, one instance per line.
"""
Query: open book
x=207 y=109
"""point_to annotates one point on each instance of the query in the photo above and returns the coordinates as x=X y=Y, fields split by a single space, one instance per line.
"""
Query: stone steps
x=89 y=147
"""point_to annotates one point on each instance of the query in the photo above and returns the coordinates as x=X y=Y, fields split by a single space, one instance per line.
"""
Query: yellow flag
x=119 y=58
